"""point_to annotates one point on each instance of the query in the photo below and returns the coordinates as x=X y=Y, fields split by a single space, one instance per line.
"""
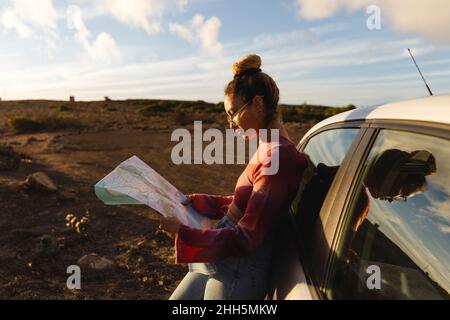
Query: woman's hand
x=170 y=225
x=187 y=201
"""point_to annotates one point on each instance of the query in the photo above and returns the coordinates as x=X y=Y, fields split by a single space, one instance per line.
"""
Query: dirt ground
x=75 y=160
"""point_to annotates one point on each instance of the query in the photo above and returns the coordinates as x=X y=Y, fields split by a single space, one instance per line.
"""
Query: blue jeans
x=237 y=278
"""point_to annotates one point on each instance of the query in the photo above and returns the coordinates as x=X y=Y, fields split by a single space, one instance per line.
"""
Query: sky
x=329 y=52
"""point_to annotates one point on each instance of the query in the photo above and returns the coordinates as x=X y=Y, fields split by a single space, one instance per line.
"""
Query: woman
x=240 y=247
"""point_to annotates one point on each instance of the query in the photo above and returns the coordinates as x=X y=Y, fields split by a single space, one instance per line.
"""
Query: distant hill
x=49 y=115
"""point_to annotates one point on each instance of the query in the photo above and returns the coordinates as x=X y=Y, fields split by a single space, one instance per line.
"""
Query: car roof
x=431 y=109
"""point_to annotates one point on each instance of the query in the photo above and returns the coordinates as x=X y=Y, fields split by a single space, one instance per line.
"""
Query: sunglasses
x=232 y=119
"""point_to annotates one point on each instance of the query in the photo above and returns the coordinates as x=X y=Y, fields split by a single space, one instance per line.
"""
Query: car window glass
x=326 y=152
x=396 y=243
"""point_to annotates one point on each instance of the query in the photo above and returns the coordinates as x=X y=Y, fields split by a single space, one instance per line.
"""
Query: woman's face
x=244 y=115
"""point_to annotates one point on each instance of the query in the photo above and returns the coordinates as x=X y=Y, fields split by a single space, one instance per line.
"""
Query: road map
x=134 y=182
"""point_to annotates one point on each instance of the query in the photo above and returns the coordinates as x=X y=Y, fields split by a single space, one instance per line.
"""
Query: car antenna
x=429 y=90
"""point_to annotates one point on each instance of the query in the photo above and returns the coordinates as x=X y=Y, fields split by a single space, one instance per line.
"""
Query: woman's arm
x=210 y=206
x=270 y=197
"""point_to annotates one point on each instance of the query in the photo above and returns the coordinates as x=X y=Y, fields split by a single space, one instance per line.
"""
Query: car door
x=329 y=150
x=389 y=232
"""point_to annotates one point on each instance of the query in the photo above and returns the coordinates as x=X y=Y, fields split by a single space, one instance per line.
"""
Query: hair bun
x=248 y=64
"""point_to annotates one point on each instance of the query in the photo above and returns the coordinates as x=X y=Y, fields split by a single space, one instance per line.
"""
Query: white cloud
x=443 y=228
x=182 y=4
x=103 y=49
x=205 y=32
x=429 y=19
x=142 y=14
x=10 y=20
x=171 y=79
x=181 y=31
x=318 y=9
x=209 y=33
x=75 y=21
x=29 y=18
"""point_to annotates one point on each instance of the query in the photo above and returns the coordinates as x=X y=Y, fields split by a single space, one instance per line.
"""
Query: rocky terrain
x=51 y=155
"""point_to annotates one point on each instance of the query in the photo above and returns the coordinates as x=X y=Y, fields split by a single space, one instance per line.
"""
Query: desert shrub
x=161 y=107
x=49 y=123
x=52 y=123
x=183 y=118
x=148 y=110
x=60 y=107
x=334 y=111
x=207 y=118
x=200 y=106
x=306 y=113
x=216 y=108
x=290 y=114
x=24 y=125
x=349 y=107
x=140 y=102
x=309 y=113
x=184 y=105
x=331 y=112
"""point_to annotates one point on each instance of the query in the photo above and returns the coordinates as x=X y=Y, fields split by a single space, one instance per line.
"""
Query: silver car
x=372 y=217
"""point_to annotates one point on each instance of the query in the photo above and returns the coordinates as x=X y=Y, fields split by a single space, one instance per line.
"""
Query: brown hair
x=249 y=81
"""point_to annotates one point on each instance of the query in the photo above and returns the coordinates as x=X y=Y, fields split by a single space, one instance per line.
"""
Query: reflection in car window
x=326 y=152
x=330 y=147
x=399 y=223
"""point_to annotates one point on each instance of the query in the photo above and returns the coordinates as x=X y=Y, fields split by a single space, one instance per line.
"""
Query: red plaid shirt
x=262 y=198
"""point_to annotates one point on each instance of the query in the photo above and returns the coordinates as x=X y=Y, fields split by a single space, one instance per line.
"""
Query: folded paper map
x=134 y=182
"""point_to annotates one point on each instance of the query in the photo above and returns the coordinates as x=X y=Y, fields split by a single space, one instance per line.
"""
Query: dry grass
x=48 y=123
x=92 y=138
x=50 y=116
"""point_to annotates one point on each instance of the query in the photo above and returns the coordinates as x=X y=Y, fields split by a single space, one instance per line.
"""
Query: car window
x=326 y=151
x=396 y=243
x=330 y=147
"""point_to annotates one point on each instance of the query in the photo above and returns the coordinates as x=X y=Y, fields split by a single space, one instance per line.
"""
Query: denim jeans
x=237 y=278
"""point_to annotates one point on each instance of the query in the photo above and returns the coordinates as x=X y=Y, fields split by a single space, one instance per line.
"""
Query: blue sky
x=318 y=51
